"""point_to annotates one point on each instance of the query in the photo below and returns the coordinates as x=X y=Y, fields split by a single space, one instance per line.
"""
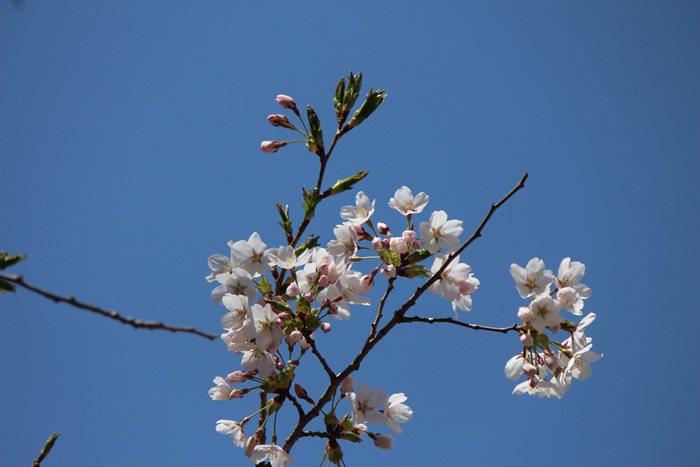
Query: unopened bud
x=272 y=146
x=382 y=441
x=556 y=328
x=525 y=313
x=409 y=236
x=377 y=243
x=335 y=454
x=295 y=336
x=526 y=340
x=323 y=281
x=293 y=290
x=534 y=381
x=286 y=102
x=398 y=245
x=237 y=377
x=347 y=385
x=309 y=297
x=366 y=283
x=382 y=228
x=326 y=327
x=529 y=369
x=389 y=270
x=278 y=120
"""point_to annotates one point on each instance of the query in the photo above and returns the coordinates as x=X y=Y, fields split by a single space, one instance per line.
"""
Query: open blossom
x=397 y=412
x=285 y=258
x=365 y=404
x=219 y=264
x=579 y=366
x=229 y=427
x=250 y=255
x=269 y=334
x=533 y=279
x=569 y=299
x=456 y=283
x=404 y=201
x=361 y=212
x=570 y=273
x=440 y=232
x=344 y=246
x=222 y=391
x=255 y=359
x=545 y=312
x=237 y=282
x=277 y=456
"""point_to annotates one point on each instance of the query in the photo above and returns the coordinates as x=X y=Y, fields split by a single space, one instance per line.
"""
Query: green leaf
x=10 y=260
x=315 y=142
x=374 y=99
x=347 y=184
x=310 y=202
x=7 y=287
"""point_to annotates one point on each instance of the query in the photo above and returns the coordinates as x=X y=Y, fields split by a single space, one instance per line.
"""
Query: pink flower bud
x=279 y=321
x=525 y=313
x=280 y=366
x=409 y=236
x=237 y=377
x=526 y=340
x=359 y=229
x=237 y=393
x=278 y=120
x=417 y=244
x=534 y=381
x=383 y=441
x=300 y=391
x=327 y=302
x=309 y=297
x=284 y=315
x=377 y=243
x=286 y=102
x=347 y=385
x=272 y=146
x=333 y=309
x=295 y=336
x=382 y=228
x=398 y=245
x=556 y=328
x=326 y=327
x=323 y=281
x=293 y=290
x=529 y=369
x=389 y=270
x=552 y=361
x=386 y=242
x=366 y=283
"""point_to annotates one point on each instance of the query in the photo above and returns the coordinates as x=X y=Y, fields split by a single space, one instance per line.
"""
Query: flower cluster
x=322 y=283
x=549 y=372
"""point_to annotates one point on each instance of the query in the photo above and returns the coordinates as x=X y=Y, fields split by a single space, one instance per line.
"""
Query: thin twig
x=378 y=318
x=478 y=327
x=135 y=323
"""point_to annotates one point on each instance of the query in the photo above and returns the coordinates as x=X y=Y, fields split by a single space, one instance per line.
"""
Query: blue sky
x=130 y=153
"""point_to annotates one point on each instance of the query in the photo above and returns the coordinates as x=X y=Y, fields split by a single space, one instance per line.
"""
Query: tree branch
x=135 y=323
x=478 y=327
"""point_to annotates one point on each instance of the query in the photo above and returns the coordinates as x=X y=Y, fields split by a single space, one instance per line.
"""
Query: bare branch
x=478 y=327
x=389 y=288
x=135 y=323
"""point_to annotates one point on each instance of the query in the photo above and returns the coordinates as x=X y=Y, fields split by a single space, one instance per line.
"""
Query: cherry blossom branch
x=312 y=343
x=478 y=327
x=135 y=323
x=372 y=340
x=389 y=288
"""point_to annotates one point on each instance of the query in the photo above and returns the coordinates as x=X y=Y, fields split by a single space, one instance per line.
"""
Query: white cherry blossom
x=365 y=404
x=533 y=279
x=361 y=212
x=277 y=456
x=404 y=201
x=440 y=232
x=397 y=412
x=250 y=255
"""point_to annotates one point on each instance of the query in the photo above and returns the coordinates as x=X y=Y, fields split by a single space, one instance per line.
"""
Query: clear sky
x=129 y=150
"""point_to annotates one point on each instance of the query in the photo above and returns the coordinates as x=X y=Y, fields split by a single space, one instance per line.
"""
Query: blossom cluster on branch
x=278 y=299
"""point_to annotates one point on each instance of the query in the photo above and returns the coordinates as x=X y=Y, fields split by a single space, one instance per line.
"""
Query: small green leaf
x=7 y=287
x=10 y=260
